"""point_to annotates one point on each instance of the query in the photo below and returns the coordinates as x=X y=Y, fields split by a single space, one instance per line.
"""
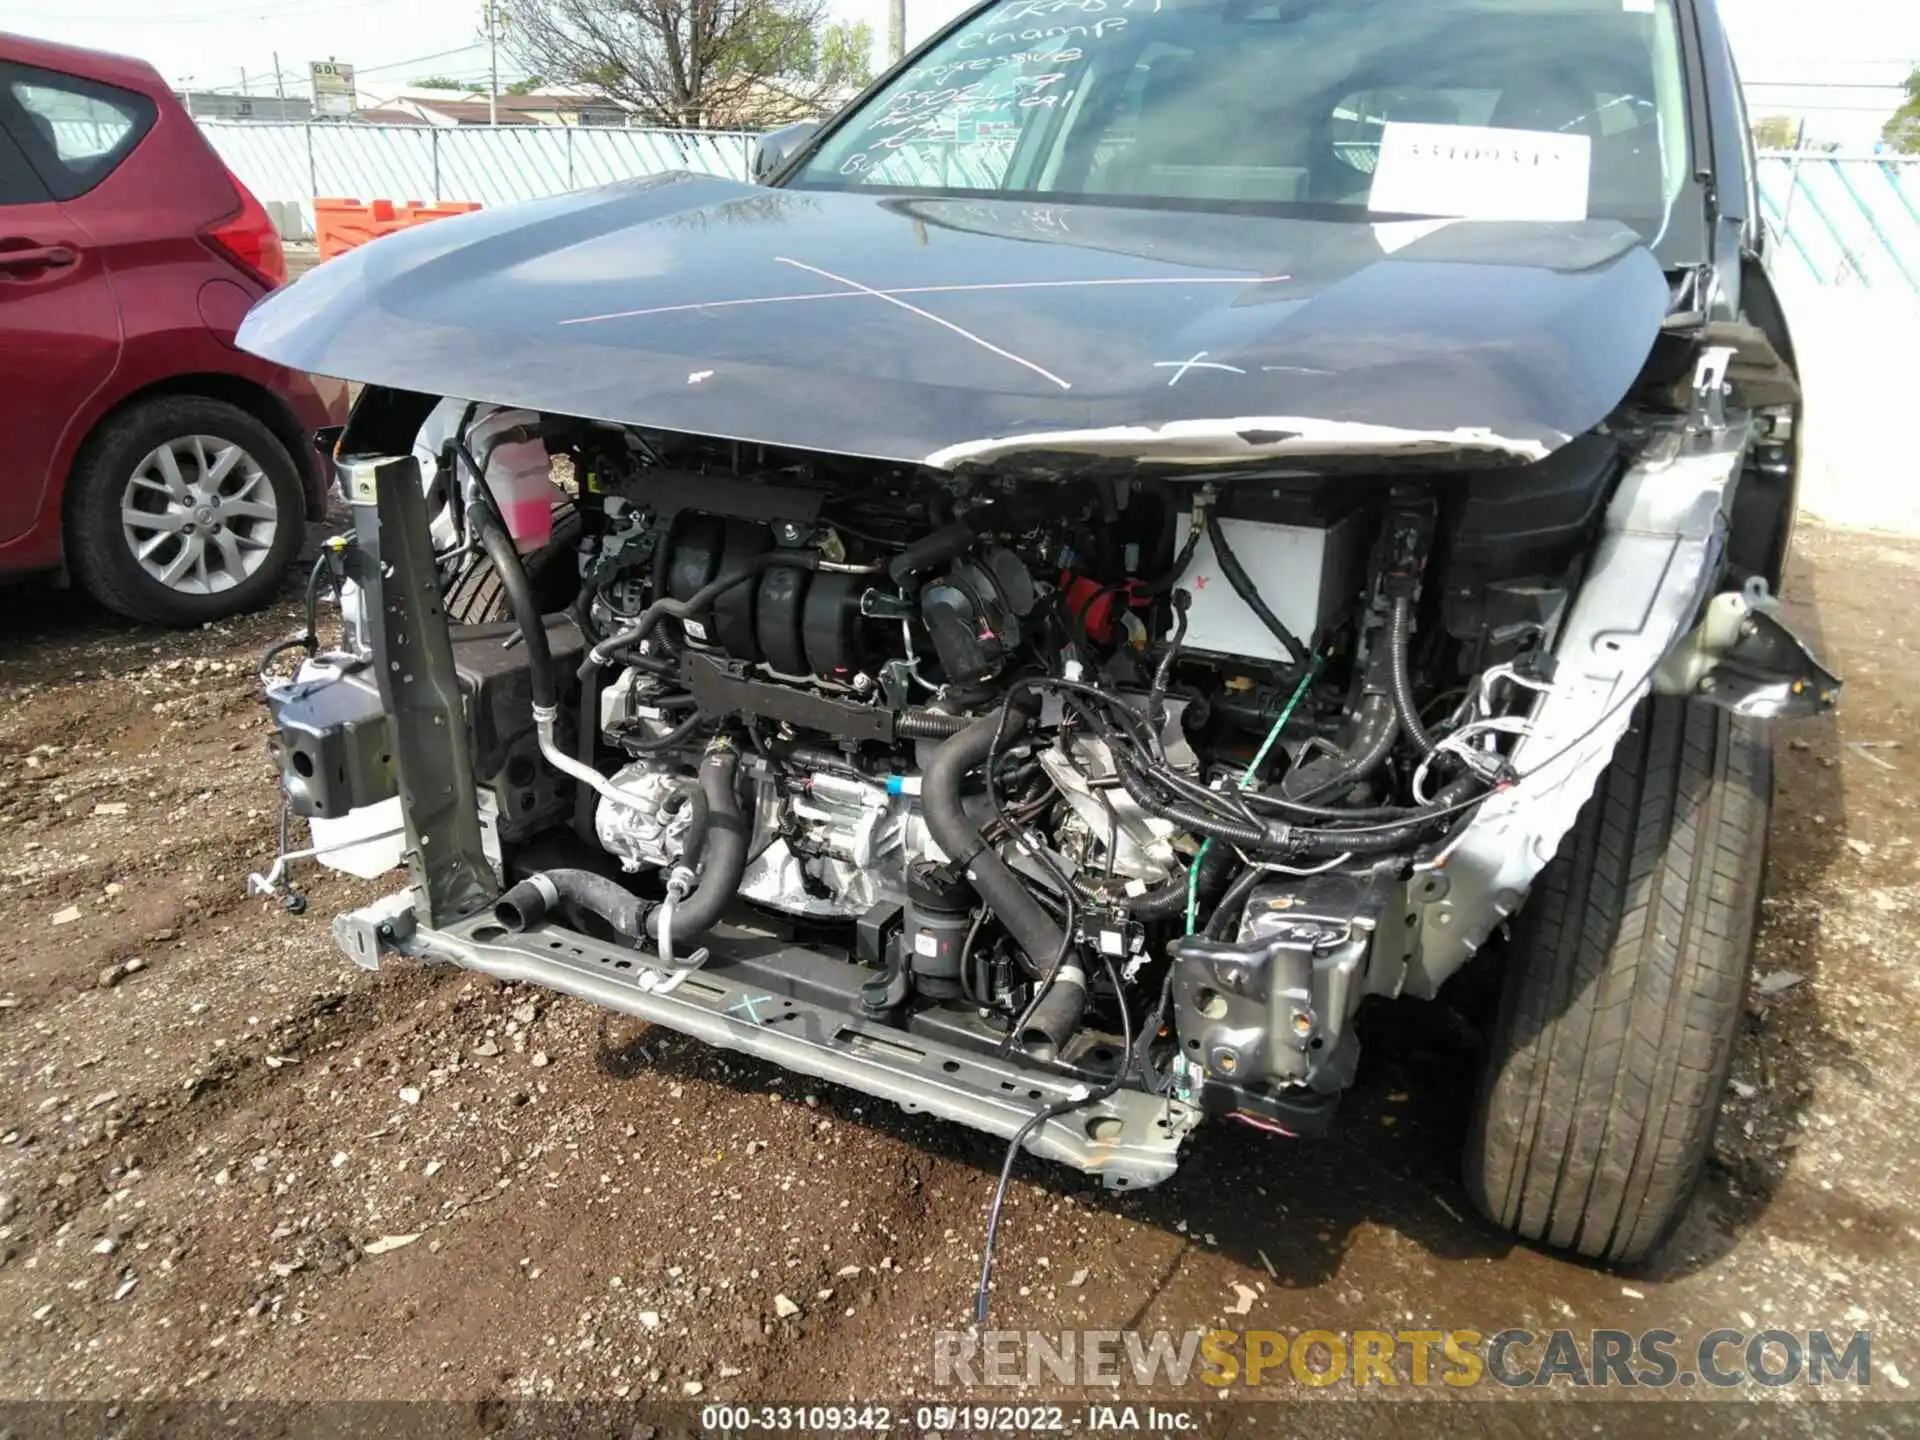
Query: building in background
x=220 y=105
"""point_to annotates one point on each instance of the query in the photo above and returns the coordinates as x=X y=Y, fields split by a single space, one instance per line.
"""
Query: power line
x=418 y=59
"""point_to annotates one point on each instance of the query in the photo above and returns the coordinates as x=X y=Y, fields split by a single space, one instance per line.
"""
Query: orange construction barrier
x=339 y=225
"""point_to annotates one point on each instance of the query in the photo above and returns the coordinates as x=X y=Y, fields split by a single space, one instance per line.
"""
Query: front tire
x=1624 y=986
x=183 y=510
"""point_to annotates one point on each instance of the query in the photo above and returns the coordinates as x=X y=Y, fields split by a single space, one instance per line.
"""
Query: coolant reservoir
x=519 y=476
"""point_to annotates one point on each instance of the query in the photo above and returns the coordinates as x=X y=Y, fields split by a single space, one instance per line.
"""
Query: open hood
x=953 y=331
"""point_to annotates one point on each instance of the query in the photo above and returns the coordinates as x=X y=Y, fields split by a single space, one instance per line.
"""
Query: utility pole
x=243 y=80
x=896 y=29
x=493 y=67
x=279 y=84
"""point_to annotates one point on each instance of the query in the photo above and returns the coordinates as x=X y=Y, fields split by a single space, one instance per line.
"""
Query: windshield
x=1488 y=109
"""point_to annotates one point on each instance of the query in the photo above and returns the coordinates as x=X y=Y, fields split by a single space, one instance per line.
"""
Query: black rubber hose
x=929 y=724
x=587 y=752
x=1162 y=901
x=1376 y=727
x=526 y=611
x=693 y=843
x=1249 y=592
x=724 y=857
x=1038 y=938
x=527 y=904
x=1167 y=900
x=1232 y=903
x=1056 y=1019
x=1399 y=678
x=700 y=599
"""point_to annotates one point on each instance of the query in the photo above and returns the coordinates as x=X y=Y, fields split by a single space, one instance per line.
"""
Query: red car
x=170 y=473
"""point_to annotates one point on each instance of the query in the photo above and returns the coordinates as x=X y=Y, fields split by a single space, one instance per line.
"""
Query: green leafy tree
x=440 y=82
x=697 y=63
x=1775 y=132
x=526 y=86
x=1902 y=132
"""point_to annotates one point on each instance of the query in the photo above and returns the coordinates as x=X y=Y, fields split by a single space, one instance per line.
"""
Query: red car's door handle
x=35 y=256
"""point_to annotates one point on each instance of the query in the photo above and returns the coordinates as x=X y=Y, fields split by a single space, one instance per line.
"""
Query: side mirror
x=774 y=149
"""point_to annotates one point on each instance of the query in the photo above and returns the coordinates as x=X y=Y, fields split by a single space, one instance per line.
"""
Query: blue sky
x=1816 y=55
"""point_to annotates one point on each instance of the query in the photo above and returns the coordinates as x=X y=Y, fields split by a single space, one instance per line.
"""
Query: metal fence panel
x=1851 y=221
x=289 y=165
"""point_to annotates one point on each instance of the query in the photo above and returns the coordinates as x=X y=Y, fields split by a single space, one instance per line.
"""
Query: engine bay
x=1127 y=779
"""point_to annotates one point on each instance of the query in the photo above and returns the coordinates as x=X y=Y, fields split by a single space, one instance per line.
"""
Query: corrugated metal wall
x=1837 y=220
x=1845 y=221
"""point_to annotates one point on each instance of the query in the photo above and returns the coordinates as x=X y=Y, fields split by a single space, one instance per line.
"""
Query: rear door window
x=73 y=132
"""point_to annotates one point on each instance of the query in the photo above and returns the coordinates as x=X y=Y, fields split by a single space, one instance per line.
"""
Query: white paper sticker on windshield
x=1480 y=172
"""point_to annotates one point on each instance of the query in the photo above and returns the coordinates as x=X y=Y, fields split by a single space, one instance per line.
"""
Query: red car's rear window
x=73 y=132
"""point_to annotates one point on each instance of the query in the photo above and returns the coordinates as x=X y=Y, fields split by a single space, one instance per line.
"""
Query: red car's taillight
x=249 y=240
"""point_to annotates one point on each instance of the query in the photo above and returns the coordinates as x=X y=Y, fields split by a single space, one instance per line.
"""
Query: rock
x=650 y=1319
x=526 y=1014
x=133 y=966
x=784 y=1308
x=1777 y=982
x=431 y=1169
x=126 y=1287
x=111 y=807
x=487 y=1049
x=388 y=1242
x=66 y=916
x=691 y=1387
x=105 y=1245
x=540 y=1060
x=111 y=976
x=339 y=1159
x=1243 y=1298
x=1079 y=1278
x=1742 y=1089
x=409 y=1094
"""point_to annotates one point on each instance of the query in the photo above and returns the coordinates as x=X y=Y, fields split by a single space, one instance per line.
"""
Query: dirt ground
x=233 y=1165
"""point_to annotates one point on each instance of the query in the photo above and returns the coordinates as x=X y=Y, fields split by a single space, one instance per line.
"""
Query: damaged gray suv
x=1164 y=520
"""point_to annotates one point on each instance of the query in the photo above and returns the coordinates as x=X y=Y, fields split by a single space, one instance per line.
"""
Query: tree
x=526 y=86
x=696 y=63
x=440 y=82
x=1902 y=132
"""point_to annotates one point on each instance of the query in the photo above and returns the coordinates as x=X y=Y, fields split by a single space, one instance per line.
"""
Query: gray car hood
x=949 y=331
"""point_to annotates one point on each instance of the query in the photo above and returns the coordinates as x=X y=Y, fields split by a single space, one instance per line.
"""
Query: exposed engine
x=1131 y=773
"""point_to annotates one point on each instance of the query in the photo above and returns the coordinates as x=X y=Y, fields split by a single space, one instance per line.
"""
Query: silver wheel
x=199 y=514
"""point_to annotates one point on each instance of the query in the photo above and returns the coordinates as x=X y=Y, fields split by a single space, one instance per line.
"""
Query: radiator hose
x=723 y=852
x=529 y=902
x=719 y=844
x=1039 y=938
